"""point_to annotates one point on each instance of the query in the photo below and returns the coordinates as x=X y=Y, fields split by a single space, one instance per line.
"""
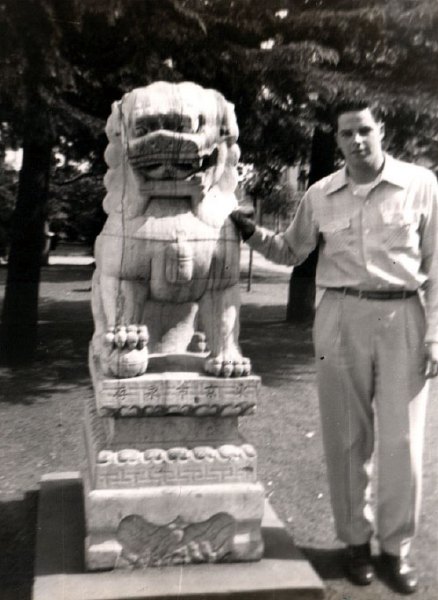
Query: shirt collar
x=392 y=172
x=337 y=181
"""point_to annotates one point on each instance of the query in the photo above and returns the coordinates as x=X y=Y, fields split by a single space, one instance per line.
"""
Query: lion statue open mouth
x=167 y=259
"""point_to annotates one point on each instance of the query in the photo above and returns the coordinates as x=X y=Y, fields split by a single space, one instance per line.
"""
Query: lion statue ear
x=222 y=130
x=229 y=127
x=120 y=181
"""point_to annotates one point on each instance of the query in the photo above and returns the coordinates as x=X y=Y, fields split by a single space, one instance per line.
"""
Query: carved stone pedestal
x=170 y=480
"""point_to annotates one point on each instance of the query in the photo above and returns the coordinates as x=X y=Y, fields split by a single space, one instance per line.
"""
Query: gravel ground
x=41 y=429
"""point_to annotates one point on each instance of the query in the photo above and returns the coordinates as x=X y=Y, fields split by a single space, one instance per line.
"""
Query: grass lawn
x=41 y=431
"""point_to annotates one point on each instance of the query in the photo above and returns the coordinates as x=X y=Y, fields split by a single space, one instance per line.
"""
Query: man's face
x=359 y=138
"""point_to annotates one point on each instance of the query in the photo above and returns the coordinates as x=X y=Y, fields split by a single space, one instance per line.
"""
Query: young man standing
x=375 y=222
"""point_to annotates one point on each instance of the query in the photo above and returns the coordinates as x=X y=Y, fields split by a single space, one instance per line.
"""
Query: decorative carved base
x=171 y=525
x=156 y=451
x=167 y=449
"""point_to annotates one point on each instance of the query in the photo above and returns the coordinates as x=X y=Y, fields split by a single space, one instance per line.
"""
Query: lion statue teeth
x=167 y=259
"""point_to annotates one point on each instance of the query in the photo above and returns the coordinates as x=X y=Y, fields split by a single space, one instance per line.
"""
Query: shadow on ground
x=280 y=352
x=64 y=330
x=17 y=547
x=61 y=359
x=326 y=562
x=67 y=273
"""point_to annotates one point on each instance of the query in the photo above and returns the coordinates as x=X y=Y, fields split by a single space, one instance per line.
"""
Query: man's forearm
x=289 y=248
x=272 y=246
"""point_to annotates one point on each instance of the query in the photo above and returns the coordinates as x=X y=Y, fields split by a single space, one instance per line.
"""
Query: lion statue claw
x=167 y=259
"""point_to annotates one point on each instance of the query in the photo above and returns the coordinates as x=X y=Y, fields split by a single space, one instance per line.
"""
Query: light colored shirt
x=384 y=238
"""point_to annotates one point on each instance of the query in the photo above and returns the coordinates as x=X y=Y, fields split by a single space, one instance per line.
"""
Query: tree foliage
x=281 y=63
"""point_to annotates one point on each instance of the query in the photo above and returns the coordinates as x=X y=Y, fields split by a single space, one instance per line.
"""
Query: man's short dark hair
x=354 y=105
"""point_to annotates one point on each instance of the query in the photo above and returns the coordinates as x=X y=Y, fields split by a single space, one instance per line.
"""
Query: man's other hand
x=244 y=223
x=431 y=359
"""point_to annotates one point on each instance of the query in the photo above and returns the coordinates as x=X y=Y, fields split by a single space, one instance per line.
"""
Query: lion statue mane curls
x=167 y=259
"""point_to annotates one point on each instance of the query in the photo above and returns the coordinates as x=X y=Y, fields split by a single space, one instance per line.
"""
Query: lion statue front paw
x=224 y=366
x=125 y=351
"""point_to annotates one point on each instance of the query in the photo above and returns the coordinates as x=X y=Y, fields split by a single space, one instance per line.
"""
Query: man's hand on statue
x=431 y=359
x=243 y=222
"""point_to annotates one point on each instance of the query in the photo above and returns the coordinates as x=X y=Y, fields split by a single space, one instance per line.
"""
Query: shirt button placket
x=366 y=229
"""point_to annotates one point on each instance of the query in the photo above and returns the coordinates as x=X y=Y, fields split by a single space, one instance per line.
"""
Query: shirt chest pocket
x=337 y=234
x=400 y=231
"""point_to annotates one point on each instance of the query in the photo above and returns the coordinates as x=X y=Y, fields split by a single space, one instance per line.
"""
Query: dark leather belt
x=376 y=295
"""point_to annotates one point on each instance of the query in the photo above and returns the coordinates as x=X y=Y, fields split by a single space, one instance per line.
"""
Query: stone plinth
x=282 y=573
x=159 y=526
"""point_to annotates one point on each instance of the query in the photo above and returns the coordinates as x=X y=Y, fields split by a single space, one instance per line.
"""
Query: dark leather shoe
x=402 y=576
x=358 y=566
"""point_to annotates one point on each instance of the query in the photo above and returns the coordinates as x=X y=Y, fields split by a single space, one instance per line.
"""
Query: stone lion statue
x=167 y=259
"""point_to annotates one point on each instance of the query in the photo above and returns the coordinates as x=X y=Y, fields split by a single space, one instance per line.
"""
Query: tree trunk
x=18 y=334
x=301 y=300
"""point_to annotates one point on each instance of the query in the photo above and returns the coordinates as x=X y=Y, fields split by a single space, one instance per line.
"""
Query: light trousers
x=370 y=359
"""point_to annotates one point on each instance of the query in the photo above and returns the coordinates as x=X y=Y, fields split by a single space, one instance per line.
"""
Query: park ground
x=41 y=412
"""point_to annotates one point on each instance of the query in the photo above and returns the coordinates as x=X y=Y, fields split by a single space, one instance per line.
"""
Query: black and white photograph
x=218 y=299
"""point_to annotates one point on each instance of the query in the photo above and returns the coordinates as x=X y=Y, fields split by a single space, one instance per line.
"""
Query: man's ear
x=382 y=130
